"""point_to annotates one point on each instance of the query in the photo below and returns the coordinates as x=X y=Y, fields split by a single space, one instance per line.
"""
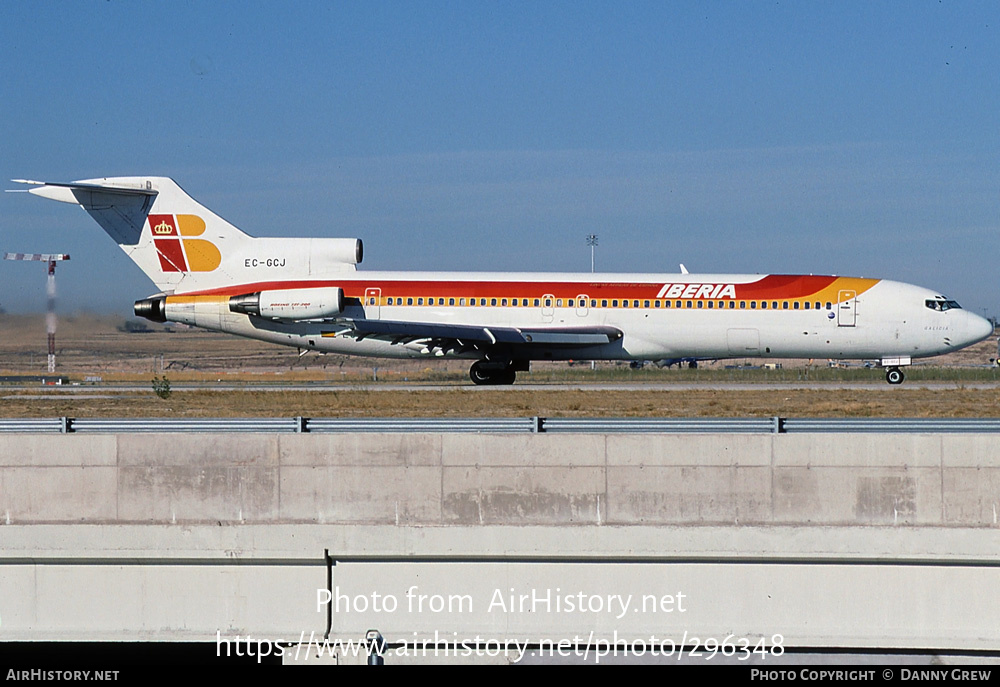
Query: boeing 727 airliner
x=308 y=293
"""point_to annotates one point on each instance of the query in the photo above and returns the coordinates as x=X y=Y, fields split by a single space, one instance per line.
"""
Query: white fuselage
x=660 y=316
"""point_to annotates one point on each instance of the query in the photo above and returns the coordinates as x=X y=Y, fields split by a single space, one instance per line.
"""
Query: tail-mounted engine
x=291 y=304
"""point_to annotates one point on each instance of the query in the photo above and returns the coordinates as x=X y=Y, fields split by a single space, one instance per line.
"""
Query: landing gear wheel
x=894 y=375
x=482 y=376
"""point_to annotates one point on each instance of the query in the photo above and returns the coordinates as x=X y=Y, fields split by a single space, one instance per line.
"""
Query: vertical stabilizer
x=180 y=244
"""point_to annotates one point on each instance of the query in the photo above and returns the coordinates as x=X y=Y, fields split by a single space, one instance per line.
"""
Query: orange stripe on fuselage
x=191 y=298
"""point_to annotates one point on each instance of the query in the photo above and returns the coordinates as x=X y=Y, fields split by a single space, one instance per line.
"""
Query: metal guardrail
x=33 y=426
x=502 y=425
x=168 y=425
x=772 y=425
x=891 y=425
x=662 y=425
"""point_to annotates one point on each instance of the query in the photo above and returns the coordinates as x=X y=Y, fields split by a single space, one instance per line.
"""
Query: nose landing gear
x=894 y=375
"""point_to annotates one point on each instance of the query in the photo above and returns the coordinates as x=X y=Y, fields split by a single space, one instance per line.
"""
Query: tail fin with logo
x=183 y=246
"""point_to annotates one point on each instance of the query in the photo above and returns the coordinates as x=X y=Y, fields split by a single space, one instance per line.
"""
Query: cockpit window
x=941 y=305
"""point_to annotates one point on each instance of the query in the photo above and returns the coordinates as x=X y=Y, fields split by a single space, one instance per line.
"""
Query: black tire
x=483 y=377
x=894 y=375
x=479 y=376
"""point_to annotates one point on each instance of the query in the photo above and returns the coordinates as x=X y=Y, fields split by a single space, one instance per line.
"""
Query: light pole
x=592 y=242
x=50 y=318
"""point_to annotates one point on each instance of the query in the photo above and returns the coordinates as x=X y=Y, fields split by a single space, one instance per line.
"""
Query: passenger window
x=774 y=305
x=635 y=304
x=493 y=301
x=817 y=305
x=701 y=304
x=451 y=301
x=503 y=302
x=548 y=302
x=711 y=304
x=753 y=305
x=624 y=304
x=732 y=304
x=829 y=305
x=656 y=304
x=559 y=302
x=807 y=305
x=690 y=304
x=614 y=302
x=537 y=302
x=645 y=304
x=604 y=302
x=524 y=302
x=743 y=305
x=593 y=303
x=666 y=304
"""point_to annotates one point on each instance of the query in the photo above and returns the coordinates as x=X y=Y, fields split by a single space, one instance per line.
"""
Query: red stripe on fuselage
x=771 y=286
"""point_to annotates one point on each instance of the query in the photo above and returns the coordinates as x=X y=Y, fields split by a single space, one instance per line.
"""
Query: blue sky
x=846 y=138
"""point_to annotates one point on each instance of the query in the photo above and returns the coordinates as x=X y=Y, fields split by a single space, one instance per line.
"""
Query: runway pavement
x=91 y=391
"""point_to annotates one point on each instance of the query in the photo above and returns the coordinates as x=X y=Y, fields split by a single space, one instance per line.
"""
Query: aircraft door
x=373 y=303
x=582 y=305
x=548 y=310
x=847 y=309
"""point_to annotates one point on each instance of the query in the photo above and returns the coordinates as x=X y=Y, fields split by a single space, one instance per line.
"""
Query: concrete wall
x=867 y=540
x=472 y=479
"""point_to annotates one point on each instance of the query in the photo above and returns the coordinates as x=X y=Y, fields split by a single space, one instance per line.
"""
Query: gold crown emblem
x=163 y=228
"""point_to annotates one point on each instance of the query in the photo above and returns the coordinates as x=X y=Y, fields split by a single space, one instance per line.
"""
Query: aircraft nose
x=978 y=328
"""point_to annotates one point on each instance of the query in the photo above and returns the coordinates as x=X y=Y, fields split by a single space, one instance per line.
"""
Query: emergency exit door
x=847 y=308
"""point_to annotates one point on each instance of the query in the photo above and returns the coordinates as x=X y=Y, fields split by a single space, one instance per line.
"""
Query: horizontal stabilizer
x=64 y=191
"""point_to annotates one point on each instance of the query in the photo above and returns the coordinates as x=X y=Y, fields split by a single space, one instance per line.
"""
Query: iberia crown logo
x=177 y=249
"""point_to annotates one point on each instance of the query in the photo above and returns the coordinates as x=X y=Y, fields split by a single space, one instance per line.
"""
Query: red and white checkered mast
x=50 y=318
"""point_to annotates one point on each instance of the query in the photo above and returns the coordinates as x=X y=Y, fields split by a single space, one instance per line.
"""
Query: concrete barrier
x=845 y=540
x=479 y=479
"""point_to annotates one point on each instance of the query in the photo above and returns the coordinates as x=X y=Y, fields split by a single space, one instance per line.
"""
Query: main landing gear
x=894 y=375
x=484 y=373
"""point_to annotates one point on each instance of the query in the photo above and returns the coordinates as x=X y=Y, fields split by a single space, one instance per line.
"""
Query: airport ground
x=110 y=371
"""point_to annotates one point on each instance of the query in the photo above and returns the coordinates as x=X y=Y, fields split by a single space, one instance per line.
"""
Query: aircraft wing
x=476 y=335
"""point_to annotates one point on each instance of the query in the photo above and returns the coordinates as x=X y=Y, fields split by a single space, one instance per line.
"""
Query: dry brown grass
x=476 y=402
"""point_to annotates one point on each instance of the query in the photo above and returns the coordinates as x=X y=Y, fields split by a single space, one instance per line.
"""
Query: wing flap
x=487 y=335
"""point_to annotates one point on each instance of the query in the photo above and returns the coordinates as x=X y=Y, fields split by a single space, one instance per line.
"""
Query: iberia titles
x=698 y=291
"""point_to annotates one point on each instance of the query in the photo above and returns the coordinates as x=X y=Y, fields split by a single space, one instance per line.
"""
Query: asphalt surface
x=98 y=391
